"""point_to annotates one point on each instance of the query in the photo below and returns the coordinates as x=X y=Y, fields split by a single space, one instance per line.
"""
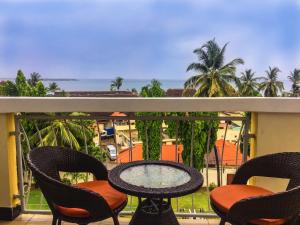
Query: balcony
x=273 y=120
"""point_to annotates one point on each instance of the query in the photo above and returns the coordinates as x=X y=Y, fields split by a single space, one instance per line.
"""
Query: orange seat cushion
x=226 y=196
x=113 y=197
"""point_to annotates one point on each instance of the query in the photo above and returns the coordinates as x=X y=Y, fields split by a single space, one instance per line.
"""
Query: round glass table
x=155 y=181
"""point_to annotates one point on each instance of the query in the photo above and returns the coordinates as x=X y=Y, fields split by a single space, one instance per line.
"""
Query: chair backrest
x=280 y=165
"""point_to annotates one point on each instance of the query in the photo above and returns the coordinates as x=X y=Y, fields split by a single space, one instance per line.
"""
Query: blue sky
x=143 y=38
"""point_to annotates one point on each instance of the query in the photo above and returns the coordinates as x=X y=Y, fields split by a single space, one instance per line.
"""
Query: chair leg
x=54 y=220
x=115 y=219
x=222 y=222
x=59 y=222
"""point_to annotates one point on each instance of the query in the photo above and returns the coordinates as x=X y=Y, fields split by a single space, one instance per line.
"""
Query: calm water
x=104 y=85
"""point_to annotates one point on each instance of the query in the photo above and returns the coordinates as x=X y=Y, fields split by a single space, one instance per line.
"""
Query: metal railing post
x=147 y=144
x=246 y=137
x=20 y=164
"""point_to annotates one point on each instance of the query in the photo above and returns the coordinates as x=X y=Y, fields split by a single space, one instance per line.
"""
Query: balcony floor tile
x=29 y=219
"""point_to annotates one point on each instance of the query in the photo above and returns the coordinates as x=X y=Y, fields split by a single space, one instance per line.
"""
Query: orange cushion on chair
x=113 y=197
x=226 y=196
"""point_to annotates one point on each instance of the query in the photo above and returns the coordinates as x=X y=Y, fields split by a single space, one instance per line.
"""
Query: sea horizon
x=94 y=84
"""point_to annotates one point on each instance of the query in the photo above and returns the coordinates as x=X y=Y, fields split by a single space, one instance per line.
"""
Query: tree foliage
x=248 y=84
x=23 y=87
x=214 y=78
x=294 y=78
x=152 y=128
x=34 y=78
x=270 y=85
x=53 y=87
x=116 y=84
x=196 y=145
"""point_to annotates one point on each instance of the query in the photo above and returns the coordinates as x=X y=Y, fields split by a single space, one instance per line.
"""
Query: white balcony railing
x=72 y=104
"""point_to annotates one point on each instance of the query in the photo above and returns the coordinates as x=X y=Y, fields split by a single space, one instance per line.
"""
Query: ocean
x=128 y=84
x=104 y=84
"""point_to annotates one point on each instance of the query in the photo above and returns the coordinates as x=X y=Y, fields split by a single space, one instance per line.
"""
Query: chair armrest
x=278 y=165
x=283 y=205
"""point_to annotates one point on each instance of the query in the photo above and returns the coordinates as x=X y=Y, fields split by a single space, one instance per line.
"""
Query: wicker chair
x=279 y=208
x=76 y=204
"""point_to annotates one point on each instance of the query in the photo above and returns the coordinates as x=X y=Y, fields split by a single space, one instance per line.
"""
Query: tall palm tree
x=248 y=84
x=116 y=84
x=294 y=77
x=34 y=78
x=270 y=85
x=214 y=77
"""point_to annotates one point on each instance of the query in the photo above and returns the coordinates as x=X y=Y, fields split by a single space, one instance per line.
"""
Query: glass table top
x=155 y=176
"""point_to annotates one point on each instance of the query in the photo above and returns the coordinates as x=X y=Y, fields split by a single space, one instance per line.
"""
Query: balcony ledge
x=137 y=104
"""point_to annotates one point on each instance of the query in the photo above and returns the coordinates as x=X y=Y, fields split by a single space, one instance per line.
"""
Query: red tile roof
x=118 y=114
x=168 y=153
x=229 y=157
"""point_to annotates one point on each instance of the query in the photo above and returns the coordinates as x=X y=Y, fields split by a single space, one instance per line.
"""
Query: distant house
x=179 y=92
x=168 y=153
x=229 y=157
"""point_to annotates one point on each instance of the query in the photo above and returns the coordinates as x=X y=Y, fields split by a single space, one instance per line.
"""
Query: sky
x=144 y=39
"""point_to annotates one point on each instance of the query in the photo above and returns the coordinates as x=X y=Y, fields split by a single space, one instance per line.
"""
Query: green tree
x=53 y=87
x=248 y=85
x=151 y=128
x=270 y=85
x=22 y=85
x=214 y=78
x=196 y=145
x=8 y=88
x=116 y=84
x=69 y=133
x=34 y=78
x=294 y=77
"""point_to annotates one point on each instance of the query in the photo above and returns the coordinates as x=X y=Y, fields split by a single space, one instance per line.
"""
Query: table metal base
x=154 y=212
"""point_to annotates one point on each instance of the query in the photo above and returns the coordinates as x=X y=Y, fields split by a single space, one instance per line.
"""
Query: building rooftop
x=168 y=153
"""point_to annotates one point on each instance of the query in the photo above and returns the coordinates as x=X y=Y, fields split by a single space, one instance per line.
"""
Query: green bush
x=212 y=186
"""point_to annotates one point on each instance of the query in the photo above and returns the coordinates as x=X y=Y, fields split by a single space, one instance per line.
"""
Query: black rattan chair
x=281 y=208
x=47 y=162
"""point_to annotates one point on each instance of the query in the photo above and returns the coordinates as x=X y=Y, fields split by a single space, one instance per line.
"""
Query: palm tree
x=248 y=85
x=62 y=133
x=295 y=79
x=34 y=78
x=116 y=84
x=53 y=87
x=134 y=91
x=271 y=85
x=214 y=78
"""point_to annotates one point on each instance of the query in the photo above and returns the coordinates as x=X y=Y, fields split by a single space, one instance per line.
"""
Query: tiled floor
x=30 y=219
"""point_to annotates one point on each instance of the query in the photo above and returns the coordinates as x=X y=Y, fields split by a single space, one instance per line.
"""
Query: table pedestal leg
x=154 y=212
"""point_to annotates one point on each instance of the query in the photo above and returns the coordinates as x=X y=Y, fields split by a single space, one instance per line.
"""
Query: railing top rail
x=143 y=117
x=183 y=104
